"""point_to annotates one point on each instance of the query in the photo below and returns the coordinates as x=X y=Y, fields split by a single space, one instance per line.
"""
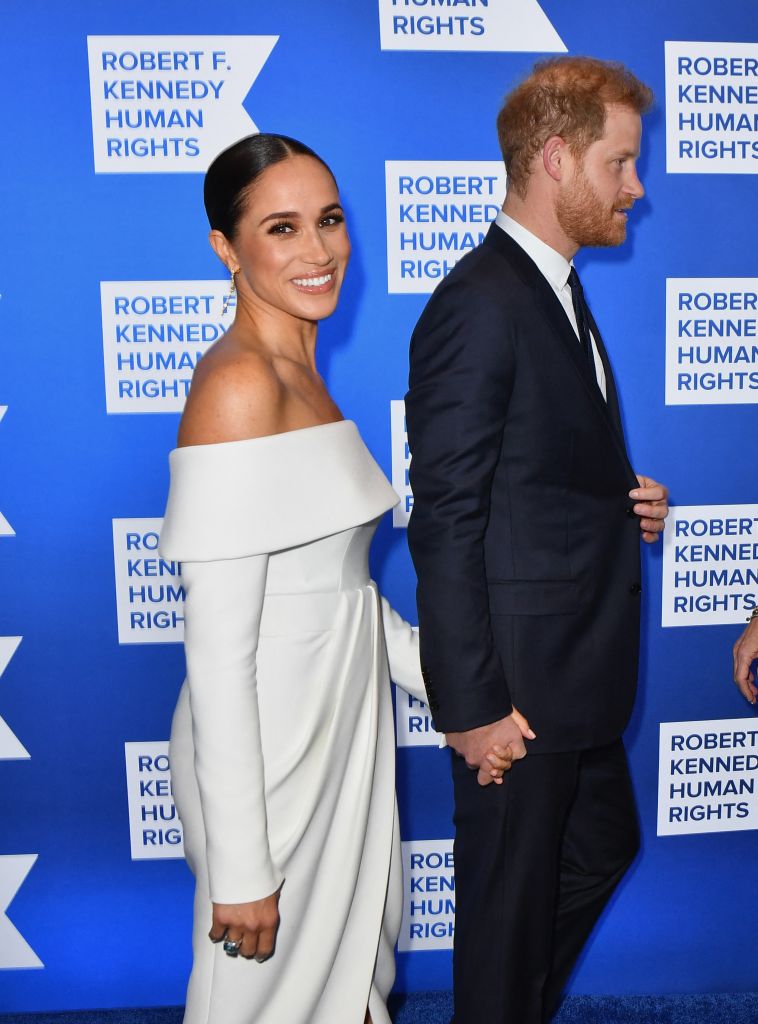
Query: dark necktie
x=582 y=315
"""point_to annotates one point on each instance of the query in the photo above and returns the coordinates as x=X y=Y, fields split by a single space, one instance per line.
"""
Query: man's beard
x=585 y=219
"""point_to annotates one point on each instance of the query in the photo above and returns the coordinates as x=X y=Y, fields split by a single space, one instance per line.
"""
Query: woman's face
x=292 y=245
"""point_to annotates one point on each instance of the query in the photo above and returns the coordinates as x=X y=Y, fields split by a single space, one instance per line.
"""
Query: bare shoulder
x=234 y=395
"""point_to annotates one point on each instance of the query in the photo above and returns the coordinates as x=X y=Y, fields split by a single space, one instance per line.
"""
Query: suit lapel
x=549 y=306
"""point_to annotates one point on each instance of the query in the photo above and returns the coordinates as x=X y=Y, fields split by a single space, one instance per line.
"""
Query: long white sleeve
x=403 y=652
x=403 y=655
x=224 y=600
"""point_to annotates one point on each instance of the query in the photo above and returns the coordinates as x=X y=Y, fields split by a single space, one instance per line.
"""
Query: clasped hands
x=491 y=749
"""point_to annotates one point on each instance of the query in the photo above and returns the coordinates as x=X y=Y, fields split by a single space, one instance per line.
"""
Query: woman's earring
x=229 y=295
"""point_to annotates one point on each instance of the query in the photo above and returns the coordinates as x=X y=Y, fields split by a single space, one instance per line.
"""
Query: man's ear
x=223 y=249
x=554 y=157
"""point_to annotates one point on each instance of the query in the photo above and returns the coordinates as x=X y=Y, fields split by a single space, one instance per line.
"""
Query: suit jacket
x=522 y=532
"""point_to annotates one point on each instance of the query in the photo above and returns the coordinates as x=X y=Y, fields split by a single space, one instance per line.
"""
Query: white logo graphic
x=437 y=210
x=708 y=776
x=401 y=463
x=6 y=530
x=10 y=747
x=414 y=722
x=495 y=25
x=429 y=902
x=170 y=103
x=710 y=564
x=711 y=340
x=711 y=123
x=15 y=951
x=154 y=333
x=149 y=592
x=156 y=833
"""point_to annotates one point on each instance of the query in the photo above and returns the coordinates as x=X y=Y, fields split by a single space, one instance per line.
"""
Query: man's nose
x=634 y=186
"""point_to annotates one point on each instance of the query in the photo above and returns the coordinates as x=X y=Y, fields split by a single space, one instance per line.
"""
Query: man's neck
x=540 y=219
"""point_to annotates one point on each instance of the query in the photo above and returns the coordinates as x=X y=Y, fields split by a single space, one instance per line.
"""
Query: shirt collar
x=551 y=264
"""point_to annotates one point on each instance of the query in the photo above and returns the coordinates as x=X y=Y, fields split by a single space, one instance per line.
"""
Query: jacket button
x=631 y=513
x=635 y=588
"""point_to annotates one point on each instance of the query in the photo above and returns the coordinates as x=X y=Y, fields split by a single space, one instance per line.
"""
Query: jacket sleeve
x=223 y=605
x=462 y=364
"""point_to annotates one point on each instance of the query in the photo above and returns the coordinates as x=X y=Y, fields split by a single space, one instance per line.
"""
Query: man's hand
x=652 y=506
x=475 y=744
x=252 y=925
x=745 y=653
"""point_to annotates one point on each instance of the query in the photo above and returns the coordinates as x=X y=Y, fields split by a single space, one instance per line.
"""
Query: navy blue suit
x=527 y=555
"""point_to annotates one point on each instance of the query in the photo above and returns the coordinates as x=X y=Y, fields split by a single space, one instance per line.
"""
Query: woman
x=282 y=748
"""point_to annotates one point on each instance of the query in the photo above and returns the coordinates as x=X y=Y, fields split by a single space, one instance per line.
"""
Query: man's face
x=602 y=183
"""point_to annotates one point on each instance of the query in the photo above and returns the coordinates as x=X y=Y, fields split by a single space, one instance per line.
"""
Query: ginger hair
x=565 y=96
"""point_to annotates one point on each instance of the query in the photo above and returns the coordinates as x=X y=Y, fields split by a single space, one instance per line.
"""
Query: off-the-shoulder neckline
x=262 y=437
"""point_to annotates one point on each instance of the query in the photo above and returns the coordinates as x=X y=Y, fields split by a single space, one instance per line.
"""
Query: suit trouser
x=536 y=860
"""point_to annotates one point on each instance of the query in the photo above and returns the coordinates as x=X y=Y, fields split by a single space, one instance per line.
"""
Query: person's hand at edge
x=652 y=506
x=745 y=653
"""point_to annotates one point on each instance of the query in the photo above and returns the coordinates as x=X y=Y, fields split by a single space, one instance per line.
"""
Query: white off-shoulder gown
x=282 y=745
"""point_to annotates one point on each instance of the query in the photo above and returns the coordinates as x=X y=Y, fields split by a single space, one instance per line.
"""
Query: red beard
x=586 y=219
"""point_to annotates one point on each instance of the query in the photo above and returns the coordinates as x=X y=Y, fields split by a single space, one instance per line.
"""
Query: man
x=745 y=653
x=525 y=536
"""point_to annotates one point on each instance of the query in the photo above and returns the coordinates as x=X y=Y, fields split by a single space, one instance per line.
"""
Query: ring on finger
x=232 y=946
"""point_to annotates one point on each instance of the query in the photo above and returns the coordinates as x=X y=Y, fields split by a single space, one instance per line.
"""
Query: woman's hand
x=500 y=759
x=252 y=926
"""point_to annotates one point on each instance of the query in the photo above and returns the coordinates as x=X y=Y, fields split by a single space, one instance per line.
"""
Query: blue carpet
x=435 y=1008
x=740 y=1008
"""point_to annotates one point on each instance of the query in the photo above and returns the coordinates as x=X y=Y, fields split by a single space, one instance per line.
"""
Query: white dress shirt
x=555 y=269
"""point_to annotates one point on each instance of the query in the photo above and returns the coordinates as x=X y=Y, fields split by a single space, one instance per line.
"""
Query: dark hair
x=564 y=96
x=236 y=169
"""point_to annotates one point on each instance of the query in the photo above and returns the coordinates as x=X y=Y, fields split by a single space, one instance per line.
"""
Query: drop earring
x=229 y=295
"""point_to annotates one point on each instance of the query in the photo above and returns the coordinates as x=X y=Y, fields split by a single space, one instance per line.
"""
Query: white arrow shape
x=199 y=80
x=522 y=26
x=6 y=530
x=515 y=26
x=10 y=747
x=15 y=951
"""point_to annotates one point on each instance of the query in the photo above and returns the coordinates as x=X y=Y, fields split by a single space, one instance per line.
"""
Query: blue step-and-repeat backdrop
x=110 y=113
